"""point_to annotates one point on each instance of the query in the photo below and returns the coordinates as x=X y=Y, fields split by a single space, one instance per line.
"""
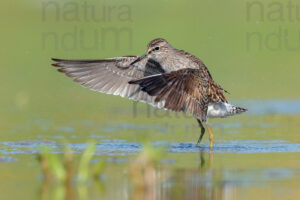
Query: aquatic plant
x=67 y=174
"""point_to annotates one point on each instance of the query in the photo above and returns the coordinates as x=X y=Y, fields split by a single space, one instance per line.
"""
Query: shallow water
x=271 y=106
x=121 y=147
x=255 y=156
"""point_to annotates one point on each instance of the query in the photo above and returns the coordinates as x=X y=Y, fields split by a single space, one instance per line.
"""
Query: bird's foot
x=202 y=133
x=211 y=137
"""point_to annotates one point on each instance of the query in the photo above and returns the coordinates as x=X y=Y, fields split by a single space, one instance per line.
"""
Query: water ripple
x=121 y=147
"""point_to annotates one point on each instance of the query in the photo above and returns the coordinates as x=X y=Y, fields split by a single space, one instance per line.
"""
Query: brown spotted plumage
x=182 y=90
x=164 y=77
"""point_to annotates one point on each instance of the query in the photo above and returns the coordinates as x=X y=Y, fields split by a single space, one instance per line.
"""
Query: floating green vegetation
x=67 y=176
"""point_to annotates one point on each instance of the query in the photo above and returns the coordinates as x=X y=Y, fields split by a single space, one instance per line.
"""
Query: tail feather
x=221 y=109
x=238 y=110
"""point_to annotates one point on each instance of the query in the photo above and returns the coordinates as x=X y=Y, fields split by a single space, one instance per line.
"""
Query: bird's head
x=156 y=50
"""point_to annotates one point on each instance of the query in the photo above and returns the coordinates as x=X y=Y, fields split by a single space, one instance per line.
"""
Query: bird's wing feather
x=182 y=90
x=111 y=76
x=205 y=72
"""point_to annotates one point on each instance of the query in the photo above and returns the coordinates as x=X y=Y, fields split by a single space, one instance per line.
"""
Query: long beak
x=139 y=59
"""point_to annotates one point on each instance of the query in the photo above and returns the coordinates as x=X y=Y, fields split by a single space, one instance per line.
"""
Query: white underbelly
x=220 y=110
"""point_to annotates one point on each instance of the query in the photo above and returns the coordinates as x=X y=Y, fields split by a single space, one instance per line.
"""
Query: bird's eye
x=156 y=48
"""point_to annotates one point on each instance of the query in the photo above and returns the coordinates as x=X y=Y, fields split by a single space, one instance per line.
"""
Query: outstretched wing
x=186 y=90
x=111 y=76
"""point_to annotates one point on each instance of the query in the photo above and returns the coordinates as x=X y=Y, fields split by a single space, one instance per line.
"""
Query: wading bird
x=164 y=77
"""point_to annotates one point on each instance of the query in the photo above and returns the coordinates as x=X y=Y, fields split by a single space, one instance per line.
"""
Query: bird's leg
x=202 y=132
x=211 y=137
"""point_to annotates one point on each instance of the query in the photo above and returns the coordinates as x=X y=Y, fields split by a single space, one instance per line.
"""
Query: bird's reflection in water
x=202 y=182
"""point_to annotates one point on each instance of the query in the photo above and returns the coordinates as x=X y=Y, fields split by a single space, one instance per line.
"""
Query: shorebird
x=164 y=77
